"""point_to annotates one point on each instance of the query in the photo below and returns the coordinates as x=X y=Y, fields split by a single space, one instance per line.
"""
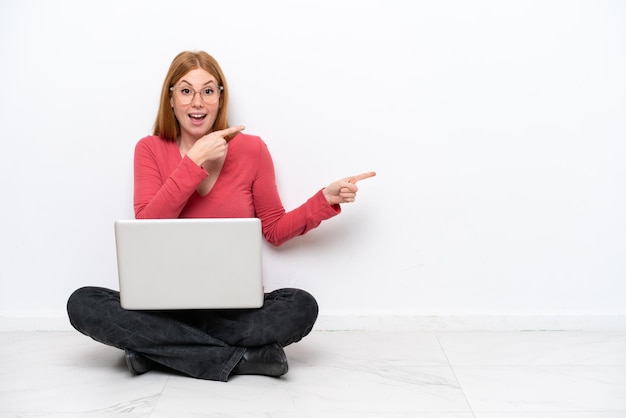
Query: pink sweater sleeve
x=280 y=226
x=158 y=197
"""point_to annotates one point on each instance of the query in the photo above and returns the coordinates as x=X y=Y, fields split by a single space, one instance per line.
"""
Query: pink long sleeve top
x=166 y=183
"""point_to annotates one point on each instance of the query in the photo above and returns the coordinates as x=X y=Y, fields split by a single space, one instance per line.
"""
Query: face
x=196 y=119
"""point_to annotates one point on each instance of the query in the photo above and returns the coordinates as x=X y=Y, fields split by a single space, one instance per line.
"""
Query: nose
x=196 y=100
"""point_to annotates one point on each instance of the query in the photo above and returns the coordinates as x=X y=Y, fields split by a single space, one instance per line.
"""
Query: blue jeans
x=205 y=344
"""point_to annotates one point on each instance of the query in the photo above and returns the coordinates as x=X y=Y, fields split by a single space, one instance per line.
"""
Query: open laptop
x=169 y=264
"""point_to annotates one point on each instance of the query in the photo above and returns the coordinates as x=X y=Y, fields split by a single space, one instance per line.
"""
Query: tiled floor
x=349 y=374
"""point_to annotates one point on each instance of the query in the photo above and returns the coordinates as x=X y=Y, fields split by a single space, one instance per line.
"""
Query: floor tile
x=78 y=390
x=544 y=388
x=54 y=349
x=320 y=390
x=370 y=348
x=534 y=348
x=63 y=373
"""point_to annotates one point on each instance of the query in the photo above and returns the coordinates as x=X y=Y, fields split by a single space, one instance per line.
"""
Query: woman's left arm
x=280 y=226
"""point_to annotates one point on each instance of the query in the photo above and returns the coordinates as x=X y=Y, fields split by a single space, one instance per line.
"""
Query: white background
x=497 y=129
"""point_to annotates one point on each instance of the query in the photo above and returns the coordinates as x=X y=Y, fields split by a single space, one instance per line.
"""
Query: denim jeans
x=205 y=344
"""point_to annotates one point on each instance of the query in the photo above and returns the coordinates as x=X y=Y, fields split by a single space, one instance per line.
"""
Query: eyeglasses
x=185 y=94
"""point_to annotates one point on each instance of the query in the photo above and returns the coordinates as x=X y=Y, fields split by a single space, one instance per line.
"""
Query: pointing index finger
x=229 y=133
x=361 y=176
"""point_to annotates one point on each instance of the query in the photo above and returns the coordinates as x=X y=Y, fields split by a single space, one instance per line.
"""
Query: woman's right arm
x=155 y=198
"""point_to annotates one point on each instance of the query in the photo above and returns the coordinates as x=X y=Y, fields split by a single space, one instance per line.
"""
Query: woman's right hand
x=213 y=145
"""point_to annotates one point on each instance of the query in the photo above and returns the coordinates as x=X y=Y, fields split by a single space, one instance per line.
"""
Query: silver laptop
x=189 y=263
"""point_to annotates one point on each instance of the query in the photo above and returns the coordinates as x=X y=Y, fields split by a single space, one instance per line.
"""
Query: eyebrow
x=205 y=84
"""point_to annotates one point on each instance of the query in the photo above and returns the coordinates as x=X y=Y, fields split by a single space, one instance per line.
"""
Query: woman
x=195 y=166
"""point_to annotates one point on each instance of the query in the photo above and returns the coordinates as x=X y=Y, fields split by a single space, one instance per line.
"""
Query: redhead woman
x=197 y=166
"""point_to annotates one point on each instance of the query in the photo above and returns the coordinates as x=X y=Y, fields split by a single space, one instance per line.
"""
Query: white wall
x=497 y=129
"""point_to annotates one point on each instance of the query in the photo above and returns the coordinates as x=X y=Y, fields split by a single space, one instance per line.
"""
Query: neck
x=185 y=142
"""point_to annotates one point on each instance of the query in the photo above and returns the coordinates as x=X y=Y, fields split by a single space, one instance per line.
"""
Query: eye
x=208 y=91
x=185 y=91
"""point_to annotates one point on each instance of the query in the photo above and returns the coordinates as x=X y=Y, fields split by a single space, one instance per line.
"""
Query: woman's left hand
x=344 y=190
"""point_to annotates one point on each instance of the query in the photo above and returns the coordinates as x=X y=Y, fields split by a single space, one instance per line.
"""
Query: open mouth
x=197 y=116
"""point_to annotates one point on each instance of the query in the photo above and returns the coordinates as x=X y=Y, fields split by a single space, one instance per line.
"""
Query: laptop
x=169 y=264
